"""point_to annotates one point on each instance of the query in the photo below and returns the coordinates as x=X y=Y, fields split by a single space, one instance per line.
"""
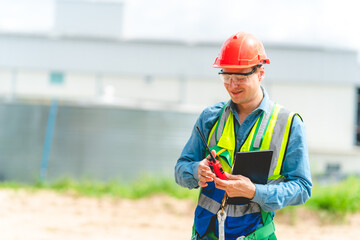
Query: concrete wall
x=328 y=111
x=197 y=92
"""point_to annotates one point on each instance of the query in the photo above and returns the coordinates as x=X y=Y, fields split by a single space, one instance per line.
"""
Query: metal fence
x=97 y=142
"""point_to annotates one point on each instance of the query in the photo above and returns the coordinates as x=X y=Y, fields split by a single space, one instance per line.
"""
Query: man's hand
x=236 y=186
x=204 y=172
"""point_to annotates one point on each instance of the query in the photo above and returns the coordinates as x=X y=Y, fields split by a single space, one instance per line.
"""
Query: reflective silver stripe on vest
x=209 y=204
x=275 y=181
x=222 y=120
x=241 y=210
x=262 y=126
x=277 y=138
x=231 y=210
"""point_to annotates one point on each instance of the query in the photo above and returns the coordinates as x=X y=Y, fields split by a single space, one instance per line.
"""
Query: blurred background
x=112 y=89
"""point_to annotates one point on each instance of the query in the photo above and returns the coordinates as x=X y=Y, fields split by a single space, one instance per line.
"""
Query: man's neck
x=246 y=108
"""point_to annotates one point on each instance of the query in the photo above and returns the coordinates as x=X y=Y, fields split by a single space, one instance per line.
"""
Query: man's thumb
x=213 y=152
x=231 y=177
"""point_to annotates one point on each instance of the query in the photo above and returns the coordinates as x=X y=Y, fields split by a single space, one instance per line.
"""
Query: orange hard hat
x=241 y=50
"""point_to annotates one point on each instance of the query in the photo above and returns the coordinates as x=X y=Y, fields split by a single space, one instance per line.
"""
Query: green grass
x=339 y=199
x=143 y=187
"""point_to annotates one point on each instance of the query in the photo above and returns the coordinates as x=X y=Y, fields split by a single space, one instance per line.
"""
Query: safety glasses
x=237 y=78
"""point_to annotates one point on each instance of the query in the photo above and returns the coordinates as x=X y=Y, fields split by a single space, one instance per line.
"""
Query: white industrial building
x=95 y=66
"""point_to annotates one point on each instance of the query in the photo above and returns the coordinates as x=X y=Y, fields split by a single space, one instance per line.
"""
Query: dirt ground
x=46 y=215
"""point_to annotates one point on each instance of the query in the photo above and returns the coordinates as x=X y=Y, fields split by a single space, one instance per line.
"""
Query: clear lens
x=236 y=79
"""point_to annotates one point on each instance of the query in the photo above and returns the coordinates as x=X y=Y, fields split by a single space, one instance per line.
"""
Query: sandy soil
x=47 y=215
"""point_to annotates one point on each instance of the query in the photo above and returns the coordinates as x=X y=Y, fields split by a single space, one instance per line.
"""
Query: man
x=250 y=121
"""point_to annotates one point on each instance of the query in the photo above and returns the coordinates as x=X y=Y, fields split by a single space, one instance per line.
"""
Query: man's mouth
x=236 y=92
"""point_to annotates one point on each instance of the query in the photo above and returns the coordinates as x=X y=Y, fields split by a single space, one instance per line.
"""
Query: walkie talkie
x=214 y=164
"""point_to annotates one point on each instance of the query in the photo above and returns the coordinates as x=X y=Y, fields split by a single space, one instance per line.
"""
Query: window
x=358 y=118
x=56 y=78
x=149 y=79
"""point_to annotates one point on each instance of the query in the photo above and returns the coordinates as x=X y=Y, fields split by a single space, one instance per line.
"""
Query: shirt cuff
x=195 y=169
x=260 y=194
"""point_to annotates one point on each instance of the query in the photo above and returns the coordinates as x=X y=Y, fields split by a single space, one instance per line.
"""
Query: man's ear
x=261 y=73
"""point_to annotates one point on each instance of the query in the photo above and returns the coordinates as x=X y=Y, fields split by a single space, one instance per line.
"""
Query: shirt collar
x=264 y=105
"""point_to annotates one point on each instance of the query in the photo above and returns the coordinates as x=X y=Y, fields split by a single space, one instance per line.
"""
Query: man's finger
x=205 y=178
x=213 y=152
x=206 y=172
x=202 y=184
x=232 y=177
x=220 y=187
x=204 y=169
x=219 y=183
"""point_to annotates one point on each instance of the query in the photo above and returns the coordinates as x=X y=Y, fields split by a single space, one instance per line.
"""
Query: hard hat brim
x=234 y=66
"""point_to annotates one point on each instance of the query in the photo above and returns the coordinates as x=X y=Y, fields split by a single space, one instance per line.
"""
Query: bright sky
x=308 y=22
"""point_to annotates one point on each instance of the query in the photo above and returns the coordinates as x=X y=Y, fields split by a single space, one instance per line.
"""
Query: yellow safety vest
x=270 y=132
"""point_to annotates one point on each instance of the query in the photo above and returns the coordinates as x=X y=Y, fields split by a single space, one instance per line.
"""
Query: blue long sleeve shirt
x=294 y=190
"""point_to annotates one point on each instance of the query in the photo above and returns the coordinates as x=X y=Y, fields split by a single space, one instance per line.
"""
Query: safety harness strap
x=265 y=232
x=262 y=233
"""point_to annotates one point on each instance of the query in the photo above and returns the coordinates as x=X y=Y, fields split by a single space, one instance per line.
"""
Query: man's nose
x=233 y=82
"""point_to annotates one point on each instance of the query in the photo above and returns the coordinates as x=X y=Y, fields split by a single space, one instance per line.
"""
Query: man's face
x=244 y=89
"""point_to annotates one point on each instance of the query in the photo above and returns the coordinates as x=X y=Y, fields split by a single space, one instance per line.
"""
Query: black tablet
x=255 y=165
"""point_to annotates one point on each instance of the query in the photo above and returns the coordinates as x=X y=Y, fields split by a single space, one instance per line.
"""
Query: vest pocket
x=202 y=220
x=208 y=205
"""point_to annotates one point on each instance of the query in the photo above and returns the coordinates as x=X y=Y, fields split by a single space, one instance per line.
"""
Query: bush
x=339 y=199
